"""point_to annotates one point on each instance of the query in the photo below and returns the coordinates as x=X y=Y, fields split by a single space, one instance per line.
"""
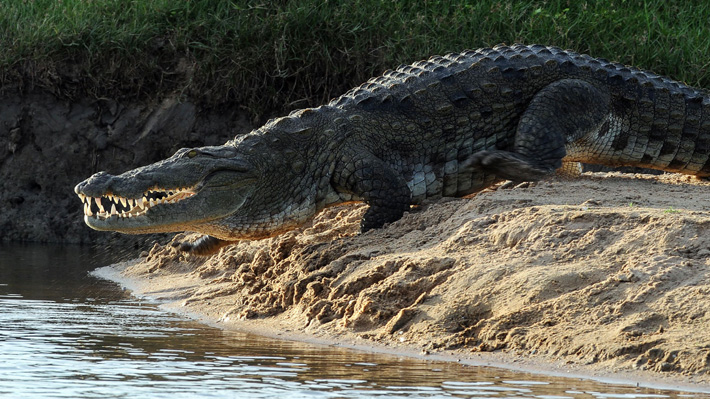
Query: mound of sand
x=609 y=270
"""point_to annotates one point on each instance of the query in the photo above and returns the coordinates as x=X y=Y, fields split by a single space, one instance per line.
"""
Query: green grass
x=280 y=55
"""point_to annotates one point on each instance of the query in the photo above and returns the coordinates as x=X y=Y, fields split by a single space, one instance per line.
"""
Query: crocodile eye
x=192 y=153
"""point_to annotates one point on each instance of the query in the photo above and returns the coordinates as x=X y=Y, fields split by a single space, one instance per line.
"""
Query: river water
x=65 y=334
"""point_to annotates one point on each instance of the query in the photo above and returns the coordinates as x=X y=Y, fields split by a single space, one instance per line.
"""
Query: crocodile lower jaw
x=109 y=205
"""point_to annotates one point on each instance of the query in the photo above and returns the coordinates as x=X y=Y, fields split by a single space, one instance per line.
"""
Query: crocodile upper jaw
x=176 y=194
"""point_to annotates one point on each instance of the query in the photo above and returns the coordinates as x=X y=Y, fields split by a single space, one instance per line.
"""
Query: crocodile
x=448 y=126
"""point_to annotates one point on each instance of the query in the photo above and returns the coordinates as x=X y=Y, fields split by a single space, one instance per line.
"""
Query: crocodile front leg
x=203 y=246
x=558 y=114
x=381 y=187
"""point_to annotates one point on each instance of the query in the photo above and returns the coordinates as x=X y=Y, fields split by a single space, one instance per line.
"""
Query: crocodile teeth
x=123 y=207
x=98 y=203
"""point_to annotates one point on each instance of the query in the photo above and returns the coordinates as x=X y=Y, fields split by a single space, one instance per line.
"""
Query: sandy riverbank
x=607 y=276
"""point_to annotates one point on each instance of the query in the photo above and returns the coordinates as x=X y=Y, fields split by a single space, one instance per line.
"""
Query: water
x=64 y=334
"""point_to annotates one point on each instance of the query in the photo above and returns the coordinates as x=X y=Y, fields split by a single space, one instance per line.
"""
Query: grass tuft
x=281 y=55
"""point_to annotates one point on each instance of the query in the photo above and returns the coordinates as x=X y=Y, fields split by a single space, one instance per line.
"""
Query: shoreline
x=141 y=288
x=605 y=277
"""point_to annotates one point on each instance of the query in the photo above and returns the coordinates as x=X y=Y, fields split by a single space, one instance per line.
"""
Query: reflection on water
x=64 y=334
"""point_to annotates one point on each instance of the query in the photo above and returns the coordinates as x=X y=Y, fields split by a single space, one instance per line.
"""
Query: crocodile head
x=194 y=190
x=257 y=185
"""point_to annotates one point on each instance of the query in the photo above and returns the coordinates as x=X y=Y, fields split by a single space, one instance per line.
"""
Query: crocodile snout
x=94 y=185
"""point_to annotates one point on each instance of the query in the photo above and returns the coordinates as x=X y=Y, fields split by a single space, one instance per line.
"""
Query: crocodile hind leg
x=560 y=113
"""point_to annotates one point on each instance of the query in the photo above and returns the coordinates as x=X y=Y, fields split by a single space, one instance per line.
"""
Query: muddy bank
x=48 y=145
x=608 y=273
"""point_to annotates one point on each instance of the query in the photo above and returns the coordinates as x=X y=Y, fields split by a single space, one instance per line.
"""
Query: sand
x=604 y=275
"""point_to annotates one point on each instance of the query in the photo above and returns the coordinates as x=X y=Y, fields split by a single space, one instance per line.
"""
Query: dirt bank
x=609 y=272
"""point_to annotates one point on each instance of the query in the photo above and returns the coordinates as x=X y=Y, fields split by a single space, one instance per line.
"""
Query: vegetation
x=280 y=55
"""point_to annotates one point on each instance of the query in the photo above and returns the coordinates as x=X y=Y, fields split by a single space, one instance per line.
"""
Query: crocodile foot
x=507 y=165
x=203 y=246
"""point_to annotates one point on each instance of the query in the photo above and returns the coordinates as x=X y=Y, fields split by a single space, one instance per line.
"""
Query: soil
x=608 y=273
